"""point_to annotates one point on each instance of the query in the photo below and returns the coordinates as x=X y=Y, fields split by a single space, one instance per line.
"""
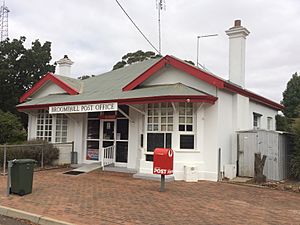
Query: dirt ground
x=117 y=198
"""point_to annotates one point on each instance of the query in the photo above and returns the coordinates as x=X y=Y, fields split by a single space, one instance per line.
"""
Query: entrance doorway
x=108 y=133
x=115 y=132
x=104 y=132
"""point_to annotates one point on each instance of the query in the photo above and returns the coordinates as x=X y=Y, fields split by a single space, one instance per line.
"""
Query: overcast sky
x=96 y=34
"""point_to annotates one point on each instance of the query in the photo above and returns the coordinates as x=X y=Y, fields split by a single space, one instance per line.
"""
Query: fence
x=107 y=156
x=46 y=155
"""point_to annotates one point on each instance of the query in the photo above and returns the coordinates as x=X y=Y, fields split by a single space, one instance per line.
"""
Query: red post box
x=163 y=161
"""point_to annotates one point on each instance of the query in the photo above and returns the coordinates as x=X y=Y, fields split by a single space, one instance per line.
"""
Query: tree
x=11 y=129
x=134 y=57
x=291 y=101
x=20 y=68
x=291 y=97
x=281 y=123
x=190 y=62
x=139 y=56
x=295 y=158
x=84 y=77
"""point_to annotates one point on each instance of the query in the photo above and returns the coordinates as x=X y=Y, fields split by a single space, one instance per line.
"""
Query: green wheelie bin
x=22 y=176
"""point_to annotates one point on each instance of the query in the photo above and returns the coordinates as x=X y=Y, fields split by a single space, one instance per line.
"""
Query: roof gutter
x=144 y=100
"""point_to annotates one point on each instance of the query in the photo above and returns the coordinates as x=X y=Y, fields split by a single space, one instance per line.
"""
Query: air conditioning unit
x=230 y=171
x=190 y=173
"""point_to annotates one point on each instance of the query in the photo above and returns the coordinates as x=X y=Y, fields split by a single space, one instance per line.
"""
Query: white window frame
x=44 y=122
x=193 y=124
x=159 y=122
x=169 y=126
x=257 y=120
x=61 y=128
x=269 y=123
x=51 y=120
x=175 y=142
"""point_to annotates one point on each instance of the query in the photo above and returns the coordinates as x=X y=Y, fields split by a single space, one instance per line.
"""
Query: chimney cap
x=65 y=61
x=237 y=29
x=237 y=23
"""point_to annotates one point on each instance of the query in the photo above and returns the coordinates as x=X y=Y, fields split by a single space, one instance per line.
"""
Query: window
x=185 y=126
x=270 y=123
x=160 y=117
x=185 y=117
x=186 y=141
x=93 y=136
x=44 y=126
x=52 y=128
x=159 y=127
x=61 y=128
x=256 y=120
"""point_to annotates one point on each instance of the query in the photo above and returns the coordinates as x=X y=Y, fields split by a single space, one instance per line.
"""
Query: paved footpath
x=10 y=221
x=115 y=198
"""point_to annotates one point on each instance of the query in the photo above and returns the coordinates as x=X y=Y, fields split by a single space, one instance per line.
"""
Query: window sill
x=180 y=151
x=187 y=151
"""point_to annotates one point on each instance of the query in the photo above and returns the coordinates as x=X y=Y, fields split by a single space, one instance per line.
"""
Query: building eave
x=129 y=101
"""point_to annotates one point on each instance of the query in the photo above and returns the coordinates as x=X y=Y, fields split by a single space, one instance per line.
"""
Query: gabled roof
x=202 y=75
x=65 y=84
x=123 y=85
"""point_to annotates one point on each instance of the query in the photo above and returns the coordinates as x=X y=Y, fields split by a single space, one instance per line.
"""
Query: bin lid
x=23 y=161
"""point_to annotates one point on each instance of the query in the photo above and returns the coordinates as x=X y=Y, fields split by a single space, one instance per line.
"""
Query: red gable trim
x=49 y=77
x=202 y=75
x=132 y=101
x=144 y=76
x=253 y=96
x=177 y=64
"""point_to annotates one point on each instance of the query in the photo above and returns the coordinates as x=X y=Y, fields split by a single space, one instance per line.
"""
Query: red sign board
x=163 y=161
x=103 y=116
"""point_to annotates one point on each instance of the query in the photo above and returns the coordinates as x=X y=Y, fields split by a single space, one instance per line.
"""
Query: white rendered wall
x=240 y=120
x=225 y=126
x=265 y=112
x=186 y=157
x=210 y=149
x=32 y=125
x=47 y=89
x=133 y=139
x=237 y=59
x=77 y=133
x=170 y=75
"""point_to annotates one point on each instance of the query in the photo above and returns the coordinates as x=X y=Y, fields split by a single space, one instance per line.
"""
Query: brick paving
x=115 y=198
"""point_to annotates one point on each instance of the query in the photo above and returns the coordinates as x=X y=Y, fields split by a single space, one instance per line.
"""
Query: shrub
x=11 y=129
x=32 y=150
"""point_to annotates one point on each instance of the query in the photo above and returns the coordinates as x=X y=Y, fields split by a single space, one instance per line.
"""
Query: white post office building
x=163 y=102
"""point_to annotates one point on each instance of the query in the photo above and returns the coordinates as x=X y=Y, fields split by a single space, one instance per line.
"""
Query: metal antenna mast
x=198 y=39
x=4 y=22
x=160 y=5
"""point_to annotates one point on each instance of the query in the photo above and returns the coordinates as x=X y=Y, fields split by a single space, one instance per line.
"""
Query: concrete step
x=88 y=167
x=119 y=169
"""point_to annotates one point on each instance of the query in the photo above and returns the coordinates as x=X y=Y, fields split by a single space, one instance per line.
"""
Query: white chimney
x=237 y=46
x=64 y=66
